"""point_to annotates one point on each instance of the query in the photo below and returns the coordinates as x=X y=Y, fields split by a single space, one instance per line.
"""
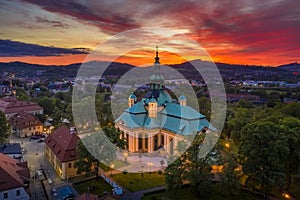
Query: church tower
x=152 y=108
x=131 y=100
x=182 y=100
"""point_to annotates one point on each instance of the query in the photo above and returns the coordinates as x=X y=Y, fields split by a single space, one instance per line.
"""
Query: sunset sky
x=232 y=31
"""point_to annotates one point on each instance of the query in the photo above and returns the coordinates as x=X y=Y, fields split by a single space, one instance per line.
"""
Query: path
x=138 y=194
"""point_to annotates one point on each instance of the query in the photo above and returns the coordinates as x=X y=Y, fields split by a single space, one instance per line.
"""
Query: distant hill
x=22 y=69
x=228 y=71
x=291 y=66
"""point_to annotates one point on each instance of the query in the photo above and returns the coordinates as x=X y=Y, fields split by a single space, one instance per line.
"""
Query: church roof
x=178 y=119
x=171 y=116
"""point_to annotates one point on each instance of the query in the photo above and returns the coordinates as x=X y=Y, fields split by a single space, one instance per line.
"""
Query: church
x=158 y=121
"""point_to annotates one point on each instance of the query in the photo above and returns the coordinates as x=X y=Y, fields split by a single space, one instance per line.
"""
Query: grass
x=190 y=194
x=135 y=182
x=117 y=164
x=97 y=186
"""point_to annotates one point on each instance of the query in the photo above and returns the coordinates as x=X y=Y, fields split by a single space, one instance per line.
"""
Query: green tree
x=93 y=150
x=114 y=135
x=193 y=168
x=263 y=153
x=47 y=103
x=241 y=117
x=4 y=128
x=291 y=129
x=292 y=109
x=85 y=160
x=229 y=184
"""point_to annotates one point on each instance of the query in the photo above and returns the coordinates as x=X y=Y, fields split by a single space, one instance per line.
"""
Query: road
x=34 y=155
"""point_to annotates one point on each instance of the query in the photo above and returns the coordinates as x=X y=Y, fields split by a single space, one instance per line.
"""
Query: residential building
x=11 y=106
x=15 y=179
x=158 y=121
x=25 y=124
x=60 y=150
x=12 y=150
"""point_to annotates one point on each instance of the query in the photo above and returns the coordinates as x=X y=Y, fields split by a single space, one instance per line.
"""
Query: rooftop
x=10 y=105
x=63 y=143
x=13 y=173
x=10 y=148
x=24 y=120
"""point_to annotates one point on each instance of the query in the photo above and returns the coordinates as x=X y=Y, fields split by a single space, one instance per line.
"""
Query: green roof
x=178 y=119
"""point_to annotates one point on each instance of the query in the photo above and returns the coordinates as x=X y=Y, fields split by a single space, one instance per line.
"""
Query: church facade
x=157 y=121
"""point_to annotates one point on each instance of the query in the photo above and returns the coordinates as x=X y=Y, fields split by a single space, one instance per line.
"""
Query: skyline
x=234 y=32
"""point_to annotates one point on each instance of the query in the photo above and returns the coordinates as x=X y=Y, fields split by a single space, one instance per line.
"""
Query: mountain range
x=228 y=71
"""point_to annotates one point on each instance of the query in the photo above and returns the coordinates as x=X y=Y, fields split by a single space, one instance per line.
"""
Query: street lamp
x=111 y=167
x=227 y=145
x=150 y=164
x=125 y=156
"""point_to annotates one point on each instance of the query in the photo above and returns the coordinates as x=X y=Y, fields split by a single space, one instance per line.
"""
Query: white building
x=14 y=179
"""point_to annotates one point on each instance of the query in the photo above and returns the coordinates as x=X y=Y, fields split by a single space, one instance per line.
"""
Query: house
x=11 y=106
x=158 y=121
x=15 y=179
x=12 y=150
x=231 y=98
x=60 y=150
x=25 y=124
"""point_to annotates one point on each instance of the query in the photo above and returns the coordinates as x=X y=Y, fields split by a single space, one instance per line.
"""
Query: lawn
x=190 y=194
x=135 y=182
x=96 y=185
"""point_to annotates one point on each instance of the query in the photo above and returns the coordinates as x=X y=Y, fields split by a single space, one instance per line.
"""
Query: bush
x=125 y=172
x=160 y=172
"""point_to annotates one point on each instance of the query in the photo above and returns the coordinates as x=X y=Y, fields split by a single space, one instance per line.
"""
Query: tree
x=263 y=153
x=292 y=109
x=85 y=160
x=114 y=135
x=291 y=129
x=47 y=104
x=241 y=117
x=93 y=150
x=4 y=128
x=229 y=184
x=192 y=168
x=181 y=146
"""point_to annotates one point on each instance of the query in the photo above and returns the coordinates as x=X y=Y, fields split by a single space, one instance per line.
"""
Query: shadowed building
x=14 y=179
x=158 y=121
x=11 y=106
x=60 y=150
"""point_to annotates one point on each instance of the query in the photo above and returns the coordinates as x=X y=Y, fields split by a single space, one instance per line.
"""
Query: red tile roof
x=13 y=173
x=24 y=120
x=63 y=143
x=10 y=105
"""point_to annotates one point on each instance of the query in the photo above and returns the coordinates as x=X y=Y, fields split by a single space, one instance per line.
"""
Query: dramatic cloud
x=235 y=31
x=10 y=48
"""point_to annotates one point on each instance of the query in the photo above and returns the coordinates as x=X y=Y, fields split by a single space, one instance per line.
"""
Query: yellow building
x=60 y=150
x=25 y=124
x=158 y=121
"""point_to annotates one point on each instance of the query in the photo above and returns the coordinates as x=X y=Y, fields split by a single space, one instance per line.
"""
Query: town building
x=158 y=121
x=15 y=179
x=60 y=150
x=12 y=150
x=11 y=106
x=25 y=124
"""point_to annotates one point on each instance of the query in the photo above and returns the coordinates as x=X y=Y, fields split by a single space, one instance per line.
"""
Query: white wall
x=12 y=194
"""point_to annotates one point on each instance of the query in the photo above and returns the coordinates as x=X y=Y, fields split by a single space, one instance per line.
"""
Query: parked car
x=50 y=181
x=34 y=137
x=40 y=140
